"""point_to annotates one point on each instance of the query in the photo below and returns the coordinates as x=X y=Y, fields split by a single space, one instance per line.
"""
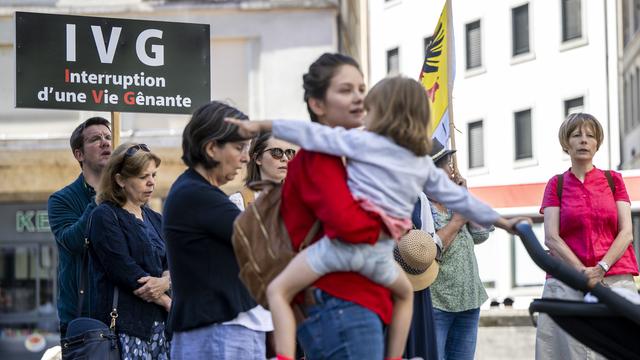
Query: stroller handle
x=573 y=277
x=551 y=265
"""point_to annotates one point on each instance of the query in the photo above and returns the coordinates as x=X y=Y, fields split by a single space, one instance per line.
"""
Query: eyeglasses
x=278 y=153
x=99 y=138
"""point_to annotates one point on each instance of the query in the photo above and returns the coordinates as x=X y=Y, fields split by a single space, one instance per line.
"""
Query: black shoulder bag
x=89 y=338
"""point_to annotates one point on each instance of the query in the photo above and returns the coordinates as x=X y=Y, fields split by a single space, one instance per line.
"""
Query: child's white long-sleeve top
x=383 y=172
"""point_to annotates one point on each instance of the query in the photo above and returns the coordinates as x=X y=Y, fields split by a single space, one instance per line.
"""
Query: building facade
x=629 y=86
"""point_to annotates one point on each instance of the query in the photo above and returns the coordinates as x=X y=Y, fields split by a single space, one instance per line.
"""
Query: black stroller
x=610 y=327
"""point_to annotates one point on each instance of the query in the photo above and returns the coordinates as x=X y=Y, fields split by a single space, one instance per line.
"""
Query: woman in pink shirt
x=587 y=224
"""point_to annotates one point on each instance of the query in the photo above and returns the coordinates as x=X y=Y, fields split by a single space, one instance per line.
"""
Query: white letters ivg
x=106 y=54
x=107 y=50
x=157 y=50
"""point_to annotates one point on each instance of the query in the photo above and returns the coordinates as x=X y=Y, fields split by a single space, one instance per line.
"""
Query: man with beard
x=70 y=209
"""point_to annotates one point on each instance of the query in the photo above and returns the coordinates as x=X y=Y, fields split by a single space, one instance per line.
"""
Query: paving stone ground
x=506 y=343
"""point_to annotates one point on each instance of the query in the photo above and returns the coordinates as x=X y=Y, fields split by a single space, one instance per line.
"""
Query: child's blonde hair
x=400 y=110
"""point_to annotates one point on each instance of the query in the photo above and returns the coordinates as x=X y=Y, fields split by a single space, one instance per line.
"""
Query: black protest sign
x=107 y=64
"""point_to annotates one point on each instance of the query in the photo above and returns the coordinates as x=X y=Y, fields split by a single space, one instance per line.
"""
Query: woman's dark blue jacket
x=121 y=253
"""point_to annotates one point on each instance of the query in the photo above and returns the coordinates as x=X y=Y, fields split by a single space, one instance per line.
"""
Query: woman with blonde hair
x=587 y=224
x=128 y=255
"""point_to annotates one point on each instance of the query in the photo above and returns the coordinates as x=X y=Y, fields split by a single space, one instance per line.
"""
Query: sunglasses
x=135 y=148
x=132 y=151
x=278 y=153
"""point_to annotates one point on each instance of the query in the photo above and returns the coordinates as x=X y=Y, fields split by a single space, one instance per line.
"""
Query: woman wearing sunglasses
x=268 y=160
x=128 y=254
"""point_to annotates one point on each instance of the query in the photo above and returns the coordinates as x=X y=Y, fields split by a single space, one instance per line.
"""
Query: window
x=473 y=44
x=636 y=15
x=627 y=108
x=27 y=274
x=524 y=147
x=636 y=100
x=427 y=42
x=520 y=26
x=574 y=105
x=633 y=106
x=626 y=22
x=476 y=145
x=571 y=20
x=393 y=62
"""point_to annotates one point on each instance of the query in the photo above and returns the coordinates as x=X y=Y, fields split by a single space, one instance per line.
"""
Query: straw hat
x=416 y=254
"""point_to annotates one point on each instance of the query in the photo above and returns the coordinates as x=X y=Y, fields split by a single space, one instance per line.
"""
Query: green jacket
x=69 y=211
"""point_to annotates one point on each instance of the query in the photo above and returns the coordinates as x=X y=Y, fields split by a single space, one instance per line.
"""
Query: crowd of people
x=172 y=279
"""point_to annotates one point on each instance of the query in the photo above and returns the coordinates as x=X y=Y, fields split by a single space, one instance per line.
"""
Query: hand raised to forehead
x=250 y=129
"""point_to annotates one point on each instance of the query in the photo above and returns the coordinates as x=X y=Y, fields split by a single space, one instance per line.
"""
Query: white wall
x=403 y=24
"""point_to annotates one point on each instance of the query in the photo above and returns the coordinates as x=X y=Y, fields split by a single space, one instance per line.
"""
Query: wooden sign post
x=115 y=129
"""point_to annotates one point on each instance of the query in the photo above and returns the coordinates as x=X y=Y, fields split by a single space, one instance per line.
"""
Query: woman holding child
x=388 y=165
x=347 y=303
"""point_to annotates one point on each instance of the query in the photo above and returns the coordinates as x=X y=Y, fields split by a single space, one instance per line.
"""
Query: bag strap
x=85 y=270
x=312 y=232
x=248 y=196
x=612 y=185
x=114 y=308
x=84 y=280
x=559 y=185
x=607 y=174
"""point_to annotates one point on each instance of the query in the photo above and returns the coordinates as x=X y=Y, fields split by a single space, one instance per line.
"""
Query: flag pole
x=450 y=80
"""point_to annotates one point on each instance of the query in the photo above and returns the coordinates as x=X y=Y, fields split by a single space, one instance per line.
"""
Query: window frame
x=626 y=104
x=515 y=137
x=576 y=42
x=564 y=21
x=467 y=47
x=514 y=27
x=470 y=125
x=566 y=102
x=388 y=54
x=635 y=121
x=425 y=43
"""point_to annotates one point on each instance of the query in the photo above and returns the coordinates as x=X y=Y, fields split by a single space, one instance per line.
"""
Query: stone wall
x=32 y=175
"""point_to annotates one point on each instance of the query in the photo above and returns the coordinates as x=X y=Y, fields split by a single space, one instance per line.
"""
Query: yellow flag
x=435 y=77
